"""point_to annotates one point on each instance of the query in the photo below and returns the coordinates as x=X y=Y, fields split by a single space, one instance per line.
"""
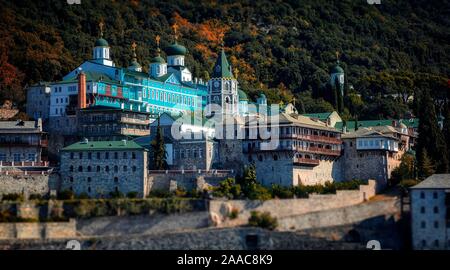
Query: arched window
x=133 y=168
x=80 y=168
x=116 y=180
x=107 y=169
x=116 y=168
x=125 y=168
x=71 y=169
x=116 y=155
x=89 y=168
x=89 y=179
x=98 y=168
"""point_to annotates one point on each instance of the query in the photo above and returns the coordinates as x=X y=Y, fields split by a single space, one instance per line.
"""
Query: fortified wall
x=187 y=179
x=36 y=230
x=28 y=183
x=220 y=210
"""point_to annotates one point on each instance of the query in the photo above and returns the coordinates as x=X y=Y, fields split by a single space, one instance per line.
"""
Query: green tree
x=158 y=150
x=431 y=138
x=425 y=165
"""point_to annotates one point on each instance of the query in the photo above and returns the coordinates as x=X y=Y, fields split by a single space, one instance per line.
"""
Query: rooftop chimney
x=81 y=90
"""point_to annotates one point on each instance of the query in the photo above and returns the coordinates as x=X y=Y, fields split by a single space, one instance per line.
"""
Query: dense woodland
x=390 y=52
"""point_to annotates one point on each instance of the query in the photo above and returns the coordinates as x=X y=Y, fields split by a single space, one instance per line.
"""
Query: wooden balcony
x=312 y=138
x=42 y=143
x=306 y=162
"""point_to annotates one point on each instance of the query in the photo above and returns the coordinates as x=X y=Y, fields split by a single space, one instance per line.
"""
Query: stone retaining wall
x=35 y=230
x=28 y=184
x=220 y=209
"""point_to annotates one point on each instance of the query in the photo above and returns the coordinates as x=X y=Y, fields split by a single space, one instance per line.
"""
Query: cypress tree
x=158 y=149
x=339 y=97
x=426 y=167
x=446 y=129
x=430 y=138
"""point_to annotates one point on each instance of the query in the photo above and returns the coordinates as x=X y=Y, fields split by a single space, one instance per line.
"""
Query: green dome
x=135 y=64
x=262 y=96
x=101 y=43
x=242 y=95
x=337 y=69
x=176 y=49
x=158 y=59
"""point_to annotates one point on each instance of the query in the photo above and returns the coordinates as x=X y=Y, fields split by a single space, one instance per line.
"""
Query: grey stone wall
x=341 y=216
x=365 y=164
x=194 y=154
x=214 y=239
x=105 y=175
x=187 y=180
x=28 y=184
x=34 y=230
x=282 y=171
x=220 y=210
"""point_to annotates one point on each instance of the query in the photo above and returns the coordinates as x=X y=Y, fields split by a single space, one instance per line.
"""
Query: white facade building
x=430 y=213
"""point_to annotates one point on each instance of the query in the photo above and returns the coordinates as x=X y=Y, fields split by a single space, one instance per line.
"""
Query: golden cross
x=175 y=30
x=294 y=99
x=157 y=38
x=337 y=56
x=236 y=72
x=101 y=24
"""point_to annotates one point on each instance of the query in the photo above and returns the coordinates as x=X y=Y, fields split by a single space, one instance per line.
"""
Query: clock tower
x=223 y=88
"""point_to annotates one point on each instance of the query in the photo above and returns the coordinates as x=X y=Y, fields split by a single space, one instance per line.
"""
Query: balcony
x=306 y=162
x=312 y=138
x=24 y=164
x=315 y=150
x=42 y=143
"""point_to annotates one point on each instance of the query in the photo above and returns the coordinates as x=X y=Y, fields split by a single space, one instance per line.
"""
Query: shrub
x=258 y=192
x=301 y=191
x=263 y=220
x=83 y=196
x=116 y=195
x=36 y=197
x=13 y=197
x=194 y=193
x=234 y=213
x=228 y=188
x=180 y=192
x=407 y=183
x=132 y=195
x=66 y=195
x=281 y=192
x=158 y=193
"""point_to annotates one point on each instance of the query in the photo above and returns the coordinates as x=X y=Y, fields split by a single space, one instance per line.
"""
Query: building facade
x=103 y=167
x=430 y=213
x=305 y=152
x=22 y=141
x=40 y=95
x=373 y=153
x=107 y=124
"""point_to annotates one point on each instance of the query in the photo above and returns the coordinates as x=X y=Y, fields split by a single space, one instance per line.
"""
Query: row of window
x=89 y=179
x=98 y=155
x=17 y=157
x=107 y=169
x=435 y=210
x=435 y=243
x=116 y=189
x=169 y=97
x=423 y=224
x=422 y=195
x=189 y=153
